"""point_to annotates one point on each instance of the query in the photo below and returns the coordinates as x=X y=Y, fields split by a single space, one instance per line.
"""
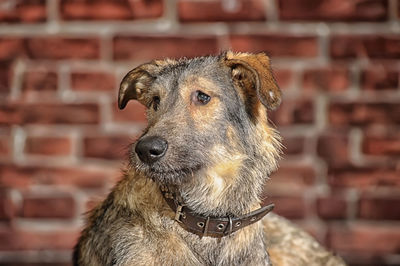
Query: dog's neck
x=210 y=226
x=211 y=195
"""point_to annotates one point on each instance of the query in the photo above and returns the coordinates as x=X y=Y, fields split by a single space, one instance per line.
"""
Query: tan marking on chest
x=224 y=171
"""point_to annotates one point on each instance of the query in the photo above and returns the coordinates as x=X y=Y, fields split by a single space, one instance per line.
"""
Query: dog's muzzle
x=151 y=149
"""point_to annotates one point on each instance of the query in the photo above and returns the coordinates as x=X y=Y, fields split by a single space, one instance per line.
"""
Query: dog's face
x=202 y=114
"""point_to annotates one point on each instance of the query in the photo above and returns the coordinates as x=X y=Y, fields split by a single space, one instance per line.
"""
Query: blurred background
x=63 y=141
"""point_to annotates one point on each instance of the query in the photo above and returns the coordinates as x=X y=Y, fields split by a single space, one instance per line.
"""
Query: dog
x=191 y=192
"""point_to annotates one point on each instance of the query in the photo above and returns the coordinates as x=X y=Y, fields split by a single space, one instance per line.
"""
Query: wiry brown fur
x=219 y=157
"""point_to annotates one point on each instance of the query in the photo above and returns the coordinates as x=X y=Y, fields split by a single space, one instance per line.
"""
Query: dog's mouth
x=166 y=175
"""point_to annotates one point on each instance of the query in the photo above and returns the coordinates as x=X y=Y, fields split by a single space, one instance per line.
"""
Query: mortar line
x=271 y=10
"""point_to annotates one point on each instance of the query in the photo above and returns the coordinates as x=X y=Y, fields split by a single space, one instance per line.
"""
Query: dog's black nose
x=151 y=149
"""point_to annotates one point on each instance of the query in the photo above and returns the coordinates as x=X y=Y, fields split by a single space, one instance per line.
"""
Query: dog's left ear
x=252 y=72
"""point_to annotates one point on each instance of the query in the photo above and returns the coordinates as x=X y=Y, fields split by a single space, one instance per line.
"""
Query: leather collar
x=210 y=226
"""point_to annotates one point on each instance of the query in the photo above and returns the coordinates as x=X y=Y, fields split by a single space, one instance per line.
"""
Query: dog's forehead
x=205 y=68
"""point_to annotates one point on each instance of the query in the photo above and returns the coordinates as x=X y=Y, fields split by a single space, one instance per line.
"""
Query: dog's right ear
x=133 y=86
x=136 y=83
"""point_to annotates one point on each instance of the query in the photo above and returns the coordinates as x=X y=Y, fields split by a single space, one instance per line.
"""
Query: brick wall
x=63 y=141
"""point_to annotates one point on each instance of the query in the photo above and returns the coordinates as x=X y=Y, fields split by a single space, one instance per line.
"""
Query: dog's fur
x=219 y=156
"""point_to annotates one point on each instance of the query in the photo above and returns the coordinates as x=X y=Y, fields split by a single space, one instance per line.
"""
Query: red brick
x=23 y=113
x=219 y=10
x=48 y=145
x=82 y=177
x=107 y=147
x=364 y=113
x=93 y=81
x=332 y=207
x=9 y=114
x=293 y=145
x=379 y=207
x=365 y=238
x=27 y=11
x=276 y=45
x=331 y=10
x=133 y=112
x=5 y=141
x=298 y=111
x=40 y=81
x=370 y=46
x=283 y=77
x=62 y=206
x=364 y=177
x=5 y=77
x=147 y=9
x=63 y=48
x=294 y=179
x=292 y=207
x=5 y=148
x=365 y=259
x=91 y=204
x=300 y=176
x=10 y=48
x=22 y=239
x=150 y=47
x=8 y=208
x=380 y=78
x=333 y=147
x=333 y=79
x=382 y=144
x=398 y=11
x=43 y=260
x=110 y=10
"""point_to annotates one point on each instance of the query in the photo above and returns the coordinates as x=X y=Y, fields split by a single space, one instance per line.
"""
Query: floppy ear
x=252 y=72
x=136 y=83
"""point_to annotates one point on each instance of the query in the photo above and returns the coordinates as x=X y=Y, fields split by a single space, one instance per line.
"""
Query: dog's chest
x=226 y=251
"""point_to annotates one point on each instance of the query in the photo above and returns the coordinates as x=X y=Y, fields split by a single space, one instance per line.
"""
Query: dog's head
x=206 y=115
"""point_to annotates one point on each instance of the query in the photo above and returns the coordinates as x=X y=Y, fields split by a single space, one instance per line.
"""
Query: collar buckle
x=179 y=213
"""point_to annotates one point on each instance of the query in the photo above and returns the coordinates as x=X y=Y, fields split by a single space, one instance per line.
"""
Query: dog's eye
x=156 y=102
x=199 y=97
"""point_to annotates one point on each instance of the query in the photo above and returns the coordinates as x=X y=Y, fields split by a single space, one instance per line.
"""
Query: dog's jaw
x=165 y=176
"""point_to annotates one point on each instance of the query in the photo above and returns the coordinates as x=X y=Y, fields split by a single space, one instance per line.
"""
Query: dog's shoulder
x=289 y=245
x=127 y=229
